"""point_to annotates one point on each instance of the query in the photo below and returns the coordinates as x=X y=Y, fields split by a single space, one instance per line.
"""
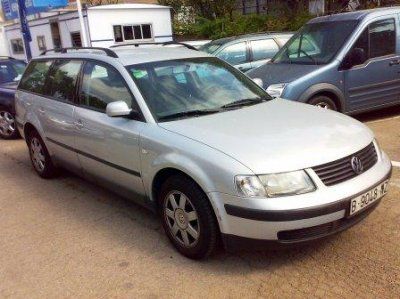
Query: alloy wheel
x=37 y=154
x=182 y=219
x=7 y=123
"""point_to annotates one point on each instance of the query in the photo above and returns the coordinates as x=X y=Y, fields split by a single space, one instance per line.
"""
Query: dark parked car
x=11 y=71
x=247 y=52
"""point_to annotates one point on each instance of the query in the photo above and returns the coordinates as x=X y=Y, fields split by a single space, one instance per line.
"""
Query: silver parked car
x=196 y=140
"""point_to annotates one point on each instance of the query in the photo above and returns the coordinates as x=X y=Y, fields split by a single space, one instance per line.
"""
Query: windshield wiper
x=245 y=102
x=189 y=113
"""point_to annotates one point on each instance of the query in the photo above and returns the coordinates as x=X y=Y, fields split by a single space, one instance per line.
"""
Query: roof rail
x=155 y=43
x=109 y=52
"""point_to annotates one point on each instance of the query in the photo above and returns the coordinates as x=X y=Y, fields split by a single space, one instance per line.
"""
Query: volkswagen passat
x=196 y=140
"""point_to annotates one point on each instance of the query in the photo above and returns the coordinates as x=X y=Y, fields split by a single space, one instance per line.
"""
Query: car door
x=236 y=55
x=57 y=111
x=108 y=148
x=375 y=82
x=262 y=51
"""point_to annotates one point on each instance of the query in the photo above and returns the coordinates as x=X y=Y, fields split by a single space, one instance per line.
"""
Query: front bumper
x=251 y=223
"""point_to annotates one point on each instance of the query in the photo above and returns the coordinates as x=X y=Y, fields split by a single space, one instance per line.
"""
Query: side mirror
x=119 y=108
x=259 y=82
x=356 y=56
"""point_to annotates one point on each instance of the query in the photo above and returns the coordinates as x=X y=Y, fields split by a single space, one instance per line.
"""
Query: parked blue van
x=348 y=62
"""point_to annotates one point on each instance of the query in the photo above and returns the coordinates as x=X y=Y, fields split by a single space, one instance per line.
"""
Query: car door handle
x=394 y=62
x=79 y=124
x=41 y=110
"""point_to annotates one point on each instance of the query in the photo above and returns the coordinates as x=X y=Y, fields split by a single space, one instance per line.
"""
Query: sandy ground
x=68 y=238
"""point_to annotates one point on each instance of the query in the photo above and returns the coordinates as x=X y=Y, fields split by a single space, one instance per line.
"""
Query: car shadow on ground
x=130 y=221
x=380 y=114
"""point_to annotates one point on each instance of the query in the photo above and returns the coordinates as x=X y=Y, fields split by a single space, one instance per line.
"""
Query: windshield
x=181 y=87
x=316 y=43
x=210 y=47
x=11 y=70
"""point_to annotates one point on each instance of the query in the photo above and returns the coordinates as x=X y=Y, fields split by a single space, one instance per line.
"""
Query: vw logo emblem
x=357 y=165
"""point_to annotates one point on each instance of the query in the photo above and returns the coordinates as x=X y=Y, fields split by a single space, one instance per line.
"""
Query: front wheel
x=188 y=218
x=323 y=102
x=8 y=129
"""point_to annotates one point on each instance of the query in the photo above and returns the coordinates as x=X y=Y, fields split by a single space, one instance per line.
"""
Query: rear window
x=11 y=70
x=34 y=77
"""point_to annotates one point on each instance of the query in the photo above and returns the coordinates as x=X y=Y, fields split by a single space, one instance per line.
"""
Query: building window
x=139 y=32
x=76 y=39
x=41 y=43
x=17 y=46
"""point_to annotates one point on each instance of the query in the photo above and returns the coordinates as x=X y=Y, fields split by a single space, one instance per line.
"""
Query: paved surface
x=68 y=238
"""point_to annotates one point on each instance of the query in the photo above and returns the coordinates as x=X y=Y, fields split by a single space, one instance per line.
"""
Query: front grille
x=322 y=230
x=341 y=170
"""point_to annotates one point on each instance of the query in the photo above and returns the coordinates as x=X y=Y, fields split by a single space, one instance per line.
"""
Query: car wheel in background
x=8 y=128
x=188 y=218
x=40 y=157
x=323 y=102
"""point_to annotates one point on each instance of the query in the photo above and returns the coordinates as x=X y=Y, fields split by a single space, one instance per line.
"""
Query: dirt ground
x=69 y=238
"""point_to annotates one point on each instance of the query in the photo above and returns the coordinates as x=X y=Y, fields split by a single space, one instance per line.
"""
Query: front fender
x=323 y=87
x=212 y=170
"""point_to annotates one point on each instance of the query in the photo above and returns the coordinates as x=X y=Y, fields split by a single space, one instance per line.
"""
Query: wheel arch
x=326 y=89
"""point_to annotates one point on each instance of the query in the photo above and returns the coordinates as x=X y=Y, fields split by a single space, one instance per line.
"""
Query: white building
x=105 y=25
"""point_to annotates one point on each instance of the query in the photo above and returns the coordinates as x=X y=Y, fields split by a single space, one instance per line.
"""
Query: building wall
x=101 y=23
x=68 y=22
x=3 y=43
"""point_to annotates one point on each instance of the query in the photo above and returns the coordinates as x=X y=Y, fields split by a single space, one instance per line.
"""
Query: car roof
x=357 y=15
x=129 y=55
x=251 y=36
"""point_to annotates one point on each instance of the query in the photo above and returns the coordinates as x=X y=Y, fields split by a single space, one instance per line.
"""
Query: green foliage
x=239 y=24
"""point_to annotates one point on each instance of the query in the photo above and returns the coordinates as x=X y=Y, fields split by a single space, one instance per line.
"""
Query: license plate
x=363 y=201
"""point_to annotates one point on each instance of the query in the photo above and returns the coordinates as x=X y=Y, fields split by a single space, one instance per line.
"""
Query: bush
x=223 y=27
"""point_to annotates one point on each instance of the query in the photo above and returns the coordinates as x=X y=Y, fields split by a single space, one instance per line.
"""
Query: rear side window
x=35 y=76
x=264 y=49
x=62 y=79
x=102 y=85
x=235 y=54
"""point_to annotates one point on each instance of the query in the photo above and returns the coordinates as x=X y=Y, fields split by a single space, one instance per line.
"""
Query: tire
x=191 y=227
x=40 y=158
x=324 y=102
x=8 y=127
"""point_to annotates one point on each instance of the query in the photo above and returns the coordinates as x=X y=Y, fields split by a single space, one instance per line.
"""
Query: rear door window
x=62 y=79
x=234 y=54
x=35 y=76
x=101 y=85
x=263 y=49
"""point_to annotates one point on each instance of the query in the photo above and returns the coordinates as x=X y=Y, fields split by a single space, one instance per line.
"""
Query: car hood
x=274 y=73
x=278 y=135
x=10 y=87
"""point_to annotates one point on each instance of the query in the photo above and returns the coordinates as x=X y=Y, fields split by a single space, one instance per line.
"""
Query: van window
x=102 y=85
x=34 y=78
x=378 y=39
x=264 y=49
x=62 y=79
x=234 y=54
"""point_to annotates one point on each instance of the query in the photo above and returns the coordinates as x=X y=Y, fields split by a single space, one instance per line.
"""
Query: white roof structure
x=128 y=6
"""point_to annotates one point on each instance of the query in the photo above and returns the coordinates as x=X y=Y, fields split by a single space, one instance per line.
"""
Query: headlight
x=276 y=90
x=275 y=185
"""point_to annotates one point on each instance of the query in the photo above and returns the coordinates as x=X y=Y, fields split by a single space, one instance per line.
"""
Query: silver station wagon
x=197 y=141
